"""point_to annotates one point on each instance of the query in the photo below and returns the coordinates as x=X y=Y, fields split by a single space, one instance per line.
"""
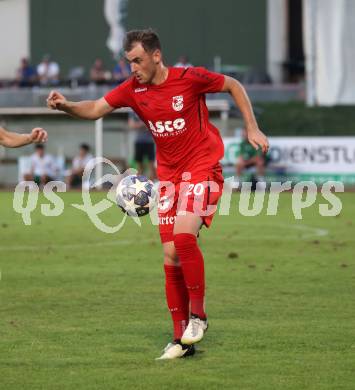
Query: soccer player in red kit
x=171 y=102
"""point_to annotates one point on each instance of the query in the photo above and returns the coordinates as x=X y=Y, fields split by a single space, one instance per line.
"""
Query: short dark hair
x=85 y=147
x=148 y=38
x=39 y=147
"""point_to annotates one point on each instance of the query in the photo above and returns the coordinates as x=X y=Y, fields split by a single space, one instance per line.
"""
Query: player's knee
x=170 y=256
x=184 y=242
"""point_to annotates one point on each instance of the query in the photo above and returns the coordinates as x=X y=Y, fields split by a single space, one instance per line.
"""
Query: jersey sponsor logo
x=178 y=103
x=167 y=220
x=140 y=90
x=167 y=127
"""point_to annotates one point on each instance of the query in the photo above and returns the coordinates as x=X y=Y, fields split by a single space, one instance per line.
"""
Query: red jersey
x=177 y=116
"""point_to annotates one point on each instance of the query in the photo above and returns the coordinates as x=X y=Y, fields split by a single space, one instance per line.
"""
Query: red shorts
x=197 y=193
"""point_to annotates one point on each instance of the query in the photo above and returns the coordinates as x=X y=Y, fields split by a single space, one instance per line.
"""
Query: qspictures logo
x=303 y=196
x=26 y=197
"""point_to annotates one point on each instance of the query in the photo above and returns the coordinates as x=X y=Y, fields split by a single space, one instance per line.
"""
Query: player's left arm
x=15 y=140
x=255 y=136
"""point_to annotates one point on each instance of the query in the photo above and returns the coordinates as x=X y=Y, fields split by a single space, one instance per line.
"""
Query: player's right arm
x=87 y=109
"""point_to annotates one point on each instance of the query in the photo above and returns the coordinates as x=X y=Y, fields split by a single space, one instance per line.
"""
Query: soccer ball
x=136 y=195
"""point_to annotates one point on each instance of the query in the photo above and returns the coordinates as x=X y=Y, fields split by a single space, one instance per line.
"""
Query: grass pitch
x=80 y=309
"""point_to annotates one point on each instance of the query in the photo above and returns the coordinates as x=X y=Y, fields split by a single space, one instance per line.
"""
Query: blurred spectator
x=98 y=73
x=76 y=76
x=43 y=168
x=26 y=75
x=249 y=157
x=121 y=71
x=183 y=62
x=79 y=162
x=144 y=149
x=48 y=71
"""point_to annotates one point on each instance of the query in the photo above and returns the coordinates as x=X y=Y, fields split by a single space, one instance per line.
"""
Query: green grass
x=81 y=309
x=296 y=119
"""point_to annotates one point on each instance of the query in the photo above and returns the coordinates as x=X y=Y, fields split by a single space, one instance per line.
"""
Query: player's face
x=40 y=152
x=143 y=64
x=82 y=152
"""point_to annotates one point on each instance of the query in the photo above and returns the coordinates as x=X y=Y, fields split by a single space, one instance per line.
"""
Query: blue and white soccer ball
x=136 y=195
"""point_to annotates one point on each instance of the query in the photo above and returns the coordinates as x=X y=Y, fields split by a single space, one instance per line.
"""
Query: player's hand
x=258 y=139
x=56 y=101
x=38 y=135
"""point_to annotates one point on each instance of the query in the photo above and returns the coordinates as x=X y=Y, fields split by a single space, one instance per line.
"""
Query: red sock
x=192 y=265
x=177 y=298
